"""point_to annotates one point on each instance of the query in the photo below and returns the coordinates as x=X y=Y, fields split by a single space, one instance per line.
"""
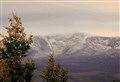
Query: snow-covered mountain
x=84 y=55
x=63 y=44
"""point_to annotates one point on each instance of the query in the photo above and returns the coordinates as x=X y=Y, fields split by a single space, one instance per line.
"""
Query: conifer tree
x=13 y=49
x=4 y=72
x=54 y=72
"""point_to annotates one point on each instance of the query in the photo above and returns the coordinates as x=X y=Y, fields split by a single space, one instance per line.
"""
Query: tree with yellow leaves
x=14 y=47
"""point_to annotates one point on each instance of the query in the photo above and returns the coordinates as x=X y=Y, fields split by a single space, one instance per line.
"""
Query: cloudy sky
x=42 y=18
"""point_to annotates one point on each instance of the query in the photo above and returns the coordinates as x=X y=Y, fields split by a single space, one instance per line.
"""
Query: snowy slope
x=79 y=52
x=72 y=43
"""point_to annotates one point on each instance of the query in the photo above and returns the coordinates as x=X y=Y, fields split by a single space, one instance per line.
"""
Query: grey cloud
x=60 y=17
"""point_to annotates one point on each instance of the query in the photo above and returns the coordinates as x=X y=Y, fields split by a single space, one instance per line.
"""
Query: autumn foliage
x=13 y=49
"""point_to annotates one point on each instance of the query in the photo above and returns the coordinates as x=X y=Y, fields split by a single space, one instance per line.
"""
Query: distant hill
x=88 y=58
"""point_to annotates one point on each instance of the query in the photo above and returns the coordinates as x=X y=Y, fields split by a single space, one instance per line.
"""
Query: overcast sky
x=42 y=18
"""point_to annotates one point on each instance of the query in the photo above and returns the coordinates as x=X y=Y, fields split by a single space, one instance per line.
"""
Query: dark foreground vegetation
x=14 y=48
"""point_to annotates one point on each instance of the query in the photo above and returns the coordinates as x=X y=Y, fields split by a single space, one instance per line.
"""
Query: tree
x=54 y=72
x=4 y=72
x=13 y=49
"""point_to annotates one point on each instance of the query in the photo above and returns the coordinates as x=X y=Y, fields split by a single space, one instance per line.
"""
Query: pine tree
x=54 y=72
x=3 y=72
x=13 y=49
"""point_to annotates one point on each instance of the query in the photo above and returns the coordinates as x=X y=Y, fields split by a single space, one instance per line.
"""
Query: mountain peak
x=69 y=43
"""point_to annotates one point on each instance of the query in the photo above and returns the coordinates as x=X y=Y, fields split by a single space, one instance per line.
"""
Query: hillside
x=88 y=58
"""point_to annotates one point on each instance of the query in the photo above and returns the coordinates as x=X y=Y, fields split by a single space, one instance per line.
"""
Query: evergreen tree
x=3 y=72
x=54 y=72
x=13 y=48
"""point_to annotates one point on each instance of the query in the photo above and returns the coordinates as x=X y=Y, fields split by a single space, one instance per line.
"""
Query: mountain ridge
x=85 y=56
x=65 y=44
